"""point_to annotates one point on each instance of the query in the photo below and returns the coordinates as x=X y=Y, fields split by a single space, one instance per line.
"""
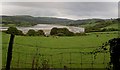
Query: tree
x=14 y=31
x=54 y=31
x=31 y=32
x=20 y=32
x=40 y=33
x=61 y=32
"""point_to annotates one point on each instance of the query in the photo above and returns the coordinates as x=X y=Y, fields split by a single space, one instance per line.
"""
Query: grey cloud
x=64 y=9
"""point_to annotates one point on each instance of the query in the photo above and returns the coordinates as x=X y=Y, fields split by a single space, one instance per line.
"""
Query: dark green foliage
x=103 y=24
x=14 y=31
x=85 y=21
x=40 y=33
x=20 y=32
x=92 y=29
x=26 y=20
x=31 y=32
x=70 y=34
x=54 y=31
x=115 y=53
x=118 y=19
x=99 y=26
x=61 y=32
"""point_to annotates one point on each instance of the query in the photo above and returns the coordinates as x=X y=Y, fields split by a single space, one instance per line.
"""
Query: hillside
x=112 y=26
x=26 y=20
x=102 y=24
x=29 y=20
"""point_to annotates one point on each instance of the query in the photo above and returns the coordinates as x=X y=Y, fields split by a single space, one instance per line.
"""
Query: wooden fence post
x=9 y=53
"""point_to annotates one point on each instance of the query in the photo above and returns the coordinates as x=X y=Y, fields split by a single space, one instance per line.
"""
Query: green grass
x=93 y=24
x=57 y=50
x=112 y=26
x=89 y=25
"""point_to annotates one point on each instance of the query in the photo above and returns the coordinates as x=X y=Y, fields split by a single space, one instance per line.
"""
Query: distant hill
x=112 y=26
x=22 y=20
x=26 y=20
x=113 y=23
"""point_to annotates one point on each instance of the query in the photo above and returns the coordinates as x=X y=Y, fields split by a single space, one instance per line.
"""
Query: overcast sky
x=59 y=0
x=70 y=10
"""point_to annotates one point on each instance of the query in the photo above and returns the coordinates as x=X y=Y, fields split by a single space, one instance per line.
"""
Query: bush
x=54 y=31
x=92 y=29
x=20 y=33
x=31 y=32
x=40 y=33
x=61 y=32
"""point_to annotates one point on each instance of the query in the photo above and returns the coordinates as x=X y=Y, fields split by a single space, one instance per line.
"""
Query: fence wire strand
x=36 y=59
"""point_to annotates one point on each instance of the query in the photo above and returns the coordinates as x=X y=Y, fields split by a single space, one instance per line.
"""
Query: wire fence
x=27 y=56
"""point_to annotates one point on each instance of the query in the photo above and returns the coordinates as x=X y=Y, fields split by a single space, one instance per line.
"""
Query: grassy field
x=113 y=26
x=58 y=51
x=89 y=25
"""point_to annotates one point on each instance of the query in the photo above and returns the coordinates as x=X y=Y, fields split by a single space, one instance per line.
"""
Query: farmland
x=59 y=51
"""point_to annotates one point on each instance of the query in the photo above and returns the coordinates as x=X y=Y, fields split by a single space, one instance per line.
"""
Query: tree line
x=95 y=29
x=54 y=32
x=100 y=27
x=31 y=32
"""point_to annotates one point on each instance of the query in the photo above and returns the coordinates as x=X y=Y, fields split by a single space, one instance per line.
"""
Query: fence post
x=81 y=59
x=9 y=54
x=70 y=61
x=61 y=59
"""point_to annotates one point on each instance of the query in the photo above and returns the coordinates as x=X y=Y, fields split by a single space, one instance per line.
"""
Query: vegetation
x=14 y=31
x=26 y=20
x=61 y=32
x=80 y=34
x=32 y=32
x=94 y=29
x=112 y=26
x=25 y=48
x=109 y=29
x=115 y=52
x=56 y=49
x=40 y=33
x=103 y=24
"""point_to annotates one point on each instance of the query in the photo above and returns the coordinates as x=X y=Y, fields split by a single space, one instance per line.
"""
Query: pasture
x=57 y=51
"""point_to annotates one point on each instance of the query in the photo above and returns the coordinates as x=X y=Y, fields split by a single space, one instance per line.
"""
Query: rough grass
x=57 y=50
x=112 y=26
